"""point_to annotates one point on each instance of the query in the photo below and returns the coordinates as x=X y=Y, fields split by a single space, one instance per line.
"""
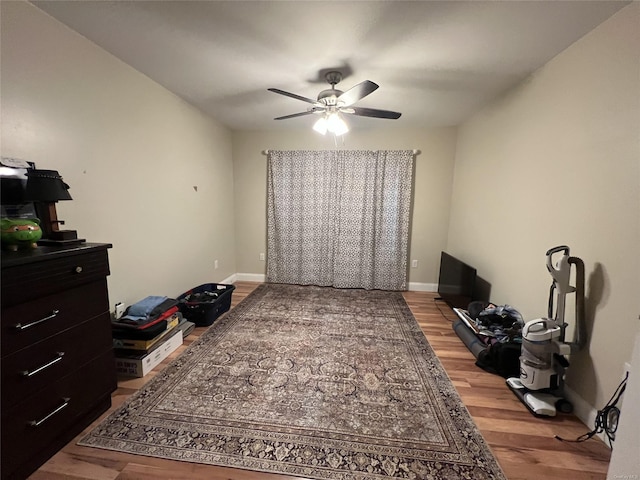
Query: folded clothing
x=145 y=307
x=150 y=331
x=146 y=311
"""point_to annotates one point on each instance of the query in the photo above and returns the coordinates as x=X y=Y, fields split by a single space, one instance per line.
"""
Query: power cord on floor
x=435 y=301
x=607 y=418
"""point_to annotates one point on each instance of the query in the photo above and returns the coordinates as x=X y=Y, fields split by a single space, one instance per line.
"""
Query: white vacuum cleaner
x=543 y=359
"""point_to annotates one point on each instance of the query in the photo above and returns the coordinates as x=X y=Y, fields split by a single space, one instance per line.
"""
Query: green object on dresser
x=17 y=233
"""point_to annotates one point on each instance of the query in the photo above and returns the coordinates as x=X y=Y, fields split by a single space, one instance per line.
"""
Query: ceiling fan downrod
x=330 y=96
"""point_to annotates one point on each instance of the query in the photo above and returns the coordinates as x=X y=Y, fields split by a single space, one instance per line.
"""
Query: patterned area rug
x=309 y=381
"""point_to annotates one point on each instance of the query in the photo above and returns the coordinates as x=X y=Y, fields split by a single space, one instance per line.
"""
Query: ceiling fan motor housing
x=329 y=96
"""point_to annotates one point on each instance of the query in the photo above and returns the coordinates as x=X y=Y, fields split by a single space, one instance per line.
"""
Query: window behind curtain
x=339 y=218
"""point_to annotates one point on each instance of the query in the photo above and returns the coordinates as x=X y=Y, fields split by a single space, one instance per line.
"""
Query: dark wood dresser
x=58 y=367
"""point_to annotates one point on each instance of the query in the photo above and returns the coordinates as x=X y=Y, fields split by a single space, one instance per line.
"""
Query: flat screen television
x=456 y=282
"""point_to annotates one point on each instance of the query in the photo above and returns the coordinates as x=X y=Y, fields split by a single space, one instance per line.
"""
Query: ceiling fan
x=332 y=102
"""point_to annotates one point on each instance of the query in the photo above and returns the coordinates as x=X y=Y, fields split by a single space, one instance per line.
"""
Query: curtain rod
x=415 y=152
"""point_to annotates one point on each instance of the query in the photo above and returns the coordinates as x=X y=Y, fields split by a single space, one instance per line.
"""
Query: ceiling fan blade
x=293 y=95
x=373 y=112
x=354 y=94
x=293 y=115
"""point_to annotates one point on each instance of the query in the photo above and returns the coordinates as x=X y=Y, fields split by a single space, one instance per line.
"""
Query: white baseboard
x=230 y=279
x=423 y=287
x=250 y=277
x=585 y=412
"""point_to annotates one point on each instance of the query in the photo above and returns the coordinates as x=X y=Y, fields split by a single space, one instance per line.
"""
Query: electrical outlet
x=119 y=310
x=414 y=263
x=215 y=264
x=262 y=257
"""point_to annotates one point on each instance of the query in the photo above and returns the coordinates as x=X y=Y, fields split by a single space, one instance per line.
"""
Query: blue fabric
x=142 y=309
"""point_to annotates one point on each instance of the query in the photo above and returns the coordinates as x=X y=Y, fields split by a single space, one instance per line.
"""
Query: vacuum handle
x=561 y=271
x=561 y=248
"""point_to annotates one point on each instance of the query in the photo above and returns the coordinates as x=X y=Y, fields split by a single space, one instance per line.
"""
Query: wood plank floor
x=523 y=444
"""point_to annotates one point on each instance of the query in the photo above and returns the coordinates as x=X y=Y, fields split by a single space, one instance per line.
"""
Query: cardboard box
x=139 y=366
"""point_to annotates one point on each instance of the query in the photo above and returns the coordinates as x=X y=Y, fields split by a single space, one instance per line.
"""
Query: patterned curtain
x=339 y=218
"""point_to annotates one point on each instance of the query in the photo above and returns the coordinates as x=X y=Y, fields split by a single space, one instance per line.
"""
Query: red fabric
x=163 y=316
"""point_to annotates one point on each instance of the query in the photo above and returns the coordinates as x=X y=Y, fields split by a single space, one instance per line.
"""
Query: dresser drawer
x=33 y=368
x=28 y=323
x=41 y=419
x=29 y=281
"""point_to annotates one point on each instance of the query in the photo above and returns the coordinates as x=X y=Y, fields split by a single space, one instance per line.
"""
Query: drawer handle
x=37 y=423
x=21 y=327
x=78 y=269
x=31 y=373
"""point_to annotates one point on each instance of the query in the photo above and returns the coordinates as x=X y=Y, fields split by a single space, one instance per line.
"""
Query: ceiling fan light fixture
x=336 y=125
x=321 y=126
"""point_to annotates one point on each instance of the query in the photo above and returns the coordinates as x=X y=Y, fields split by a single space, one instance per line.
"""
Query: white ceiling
x=437 y=62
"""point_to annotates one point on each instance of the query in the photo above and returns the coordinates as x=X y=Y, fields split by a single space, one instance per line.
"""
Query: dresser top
x=22 y=257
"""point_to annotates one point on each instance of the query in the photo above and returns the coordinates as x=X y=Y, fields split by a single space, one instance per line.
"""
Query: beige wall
x=131 y=151
x=553 y=162
x=433 y=177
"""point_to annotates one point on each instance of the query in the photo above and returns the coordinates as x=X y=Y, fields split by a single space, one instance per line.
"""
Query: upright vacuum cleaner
x=543 y=359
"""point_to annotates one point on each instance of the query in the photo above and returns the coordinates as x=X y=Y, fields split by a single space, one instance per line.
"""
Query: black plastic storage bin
x=203 y=304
